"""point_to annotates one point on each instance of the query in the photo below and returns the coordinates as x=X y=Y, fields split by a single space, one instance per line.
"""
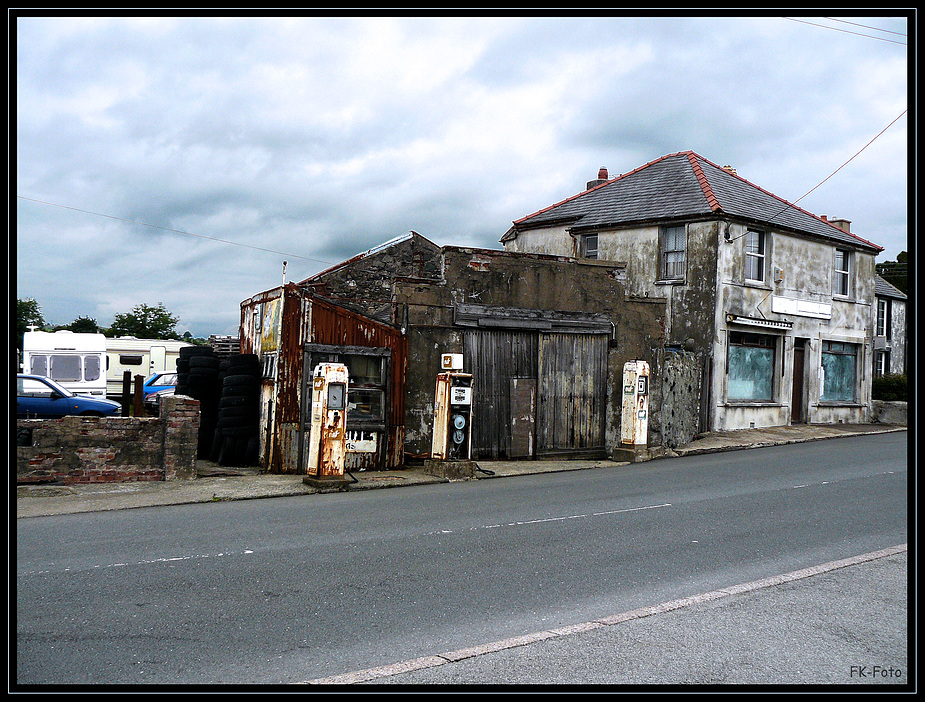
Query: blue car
x=38 y=397
x=159 y=382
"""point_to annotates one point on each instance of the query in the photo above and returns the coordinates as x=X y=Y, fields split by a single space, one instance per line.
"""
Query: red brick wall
x=110 y=449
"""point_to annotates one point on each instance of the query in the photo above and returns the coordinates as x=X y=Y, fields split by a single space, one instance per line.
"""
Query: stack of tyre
x=199 y=377
x=236 y=438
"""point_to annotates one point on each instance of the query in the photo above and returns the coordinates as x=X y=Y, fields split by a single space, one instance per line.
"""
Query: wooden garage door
x=559 y=378
x=495 y=358
x=571 y=398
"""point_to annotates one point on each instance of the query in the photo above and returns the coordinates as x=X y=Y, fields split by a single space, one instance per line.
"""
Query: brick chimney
x=600 y=180
x=842 y=224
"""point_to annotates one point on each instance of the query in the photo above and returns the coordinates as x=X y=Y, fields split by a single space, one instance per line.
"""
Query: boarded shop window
x=751 y=367
x=754 y=256
x=674 y=248
x=839 y=371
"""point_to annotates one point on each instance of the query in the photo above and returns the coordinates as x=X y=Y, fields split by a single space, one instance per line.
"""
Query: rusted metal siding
x=297 y=317
x=337 y=326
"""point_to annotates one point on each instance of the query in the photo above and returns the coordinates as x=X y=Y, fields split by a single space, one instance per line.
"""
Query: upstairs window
x=589 y=246
x=754 y=256
x=883 y=318
x=842 y=263
x=674 y=252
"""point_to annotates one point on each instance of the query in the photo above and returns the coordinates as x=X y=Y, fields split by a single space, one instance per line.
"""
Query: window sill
x=839 y=403
x=673 y=281
x=752 y=403
x=759 y=284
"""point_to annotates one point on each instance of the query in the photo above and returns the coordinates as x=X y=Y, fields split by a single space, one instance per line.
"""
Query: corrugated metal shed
x=278 y=325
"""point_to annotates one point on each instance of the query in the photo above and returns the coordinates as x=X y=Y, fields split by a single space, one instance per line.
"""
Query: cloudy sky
x=182 y=160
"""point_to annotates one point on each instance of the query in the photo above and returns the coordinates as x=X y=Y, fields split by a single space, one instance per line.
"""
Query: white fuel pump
x=635 y=415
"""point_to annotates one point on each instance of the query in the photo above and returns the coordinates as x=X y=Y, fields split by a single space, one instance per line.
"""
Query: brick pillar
x=180 y=415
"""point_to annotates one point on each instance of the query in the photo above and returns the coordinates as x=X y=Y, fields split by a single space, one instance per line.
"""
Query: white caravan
x=140 y=357
x=75 y=360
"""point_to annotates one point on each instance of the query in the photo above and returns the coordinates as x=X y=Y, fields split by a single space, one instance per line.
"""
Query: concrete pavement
x=841 y=623
x=215 y=483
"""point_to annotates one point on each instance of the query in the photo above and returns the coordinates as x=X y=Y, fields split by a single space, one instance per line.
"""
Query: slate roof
x=677 y=186
x=884 y=288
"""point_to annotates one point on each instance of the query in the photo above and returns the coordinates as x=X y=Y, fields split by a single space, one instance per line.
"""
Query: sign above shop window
x=801 y=308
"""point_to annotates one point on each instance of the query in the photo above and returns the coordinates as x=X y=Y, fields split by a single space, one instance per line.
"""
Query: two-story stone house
x=889 y=329
x=772 y=304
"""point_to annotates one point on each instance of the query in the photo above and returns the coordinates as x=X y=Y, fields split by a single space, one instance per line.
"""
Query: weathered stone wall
x=110 y=449
x=682 y=377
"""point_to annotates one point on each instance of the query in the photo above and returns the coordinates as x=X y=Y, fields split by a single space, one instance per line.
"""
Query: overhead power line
x=793 y=204
x=175 y=231
x=845 y=31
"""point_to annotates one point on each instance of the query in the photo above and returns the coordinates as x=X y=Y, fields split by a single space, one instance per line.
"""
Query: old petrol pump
x=452 y=438
x=327 y=438
x=635 y=416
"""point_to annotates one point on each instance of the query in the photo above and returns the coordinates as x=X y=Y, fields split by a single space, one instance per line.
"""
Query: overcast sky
x=181 y=161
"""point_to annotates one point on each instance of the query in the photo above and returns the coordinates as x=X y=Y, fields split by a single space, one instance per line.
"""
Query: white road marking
x=548 y=520
x=166 y=559
x=370 y=674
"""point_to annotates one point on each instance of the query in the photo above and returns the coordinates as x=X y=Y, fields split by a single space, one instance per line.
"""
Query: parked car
x=158 y=382
x=152 y=401
x=38 y=397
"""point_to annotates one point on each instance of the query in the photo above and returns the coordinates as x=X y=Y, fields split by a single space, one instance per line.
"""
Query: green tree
x=896 y=272
x=83 y=325
x=145 y=322
x=28 y=313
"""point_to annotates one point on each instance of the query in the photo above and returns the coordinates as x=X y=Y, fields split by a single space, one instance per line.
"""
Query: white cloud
x=312 y=139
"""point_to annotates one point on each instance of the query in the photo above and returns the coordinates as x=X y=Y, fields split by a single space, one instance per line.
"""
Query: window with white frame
x=839 y=371
x=750 y=367
x=674 y=252
x=754 y=255
x=881 y=364
x=842 y=271
x=883 y=318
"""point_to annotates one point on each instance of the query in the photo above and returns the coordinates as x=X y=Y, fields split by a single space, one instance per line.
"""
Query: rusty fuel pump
x=327 y=440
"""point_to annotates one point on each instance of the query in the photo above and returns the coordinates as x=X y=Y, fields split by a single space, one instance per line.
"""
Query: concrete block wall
x=110 y=449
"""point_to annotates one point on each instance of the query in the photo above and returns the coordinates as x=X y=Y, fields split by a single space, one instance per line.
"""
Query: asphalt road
x=294 y=589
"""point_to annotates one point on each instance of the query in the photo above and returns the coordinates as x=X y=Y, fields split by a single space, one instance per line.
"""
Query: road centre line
x=558 y=519
x=165 y=559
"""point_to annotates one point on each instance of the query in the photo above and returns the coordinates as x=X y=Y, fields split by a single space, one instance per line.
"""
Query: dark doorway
x=796 y=396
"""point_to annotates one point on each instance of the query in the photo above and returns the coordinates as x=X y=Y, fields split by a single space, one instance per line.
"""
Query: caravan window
x=127 y=360
x=39 y=365
x=91 y=367
x=65 y=368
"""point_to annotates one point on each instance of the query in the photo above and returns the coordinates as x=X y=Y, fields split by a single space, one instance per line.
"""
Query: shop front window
x=751 y=367
x=839 y=371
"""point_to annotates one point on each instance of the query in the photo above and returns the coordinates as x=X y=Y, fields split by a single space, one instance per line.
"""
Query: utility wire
x=175 y=231
x=865 y=26
x=845 y=31
x=791 y=204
